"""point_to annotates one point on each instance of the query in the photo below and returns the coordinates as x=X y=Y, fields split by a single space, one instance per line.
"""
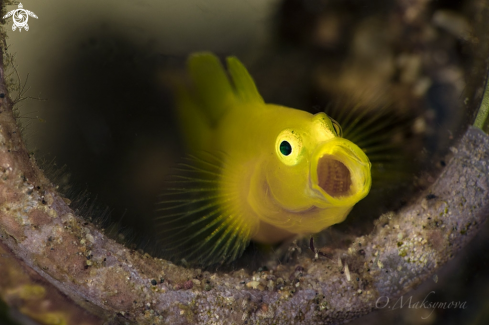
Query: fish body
x=277 y=172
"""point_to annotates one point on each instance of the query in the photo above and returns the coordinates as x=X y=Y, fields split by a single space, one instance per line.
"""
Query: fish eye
x=285 y=148
x=289 y=147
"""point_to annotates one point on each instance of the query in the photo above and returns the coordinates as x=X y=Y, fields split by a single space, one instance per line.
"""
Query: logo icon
x=20 y=16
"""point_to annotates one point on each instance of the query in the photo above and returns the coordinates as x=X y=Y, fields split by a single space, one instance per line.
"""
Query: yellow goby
x=256 y=171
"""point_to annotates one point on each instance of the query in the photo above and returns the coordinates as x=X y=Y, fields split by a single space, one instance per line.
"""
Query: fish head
x=316 y=176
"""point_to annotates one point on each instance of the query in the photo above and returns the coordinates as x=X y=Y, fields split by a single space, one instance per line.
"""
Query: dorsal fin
x=213 y=89
x=244 y=85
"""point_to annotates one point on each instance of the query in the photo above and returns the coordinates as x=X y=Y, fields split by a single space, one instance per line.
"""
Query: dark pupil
x=285 y=148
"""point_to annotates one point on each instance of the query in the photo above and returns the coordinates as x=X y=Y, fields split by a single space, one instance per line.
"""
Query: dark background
x=106 y=121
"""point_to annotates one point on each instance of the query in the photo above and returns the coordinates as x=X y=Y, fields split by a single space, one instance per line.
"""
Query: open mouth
x=333 y=176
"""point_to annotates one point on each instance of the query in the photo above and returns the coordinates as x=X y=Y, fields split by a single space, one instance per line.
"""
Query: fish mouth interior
x=333 y=176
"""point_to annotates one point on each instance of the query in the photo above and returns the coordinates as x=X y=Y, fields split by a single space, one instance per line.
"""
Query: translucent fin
x=375 y=131
x=244 y=85
x=197 y=224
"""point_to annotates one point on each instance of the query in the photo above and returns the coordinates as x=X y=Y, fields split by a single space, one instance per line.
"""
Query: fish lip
x=348 y=164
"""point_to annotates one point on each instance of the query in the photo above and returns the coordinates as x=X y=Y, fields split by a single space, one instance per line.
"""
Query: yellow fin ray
x=197 y=224
x=183 y=240
x=372 y=130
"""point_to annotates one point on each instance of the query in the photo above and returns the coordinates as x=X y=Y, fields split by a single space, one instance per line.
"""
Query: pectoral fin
x=196 y=223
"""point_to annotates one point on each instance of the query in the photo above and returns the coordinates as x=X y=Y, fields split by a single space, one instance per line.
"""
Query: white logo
x=21 y=16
